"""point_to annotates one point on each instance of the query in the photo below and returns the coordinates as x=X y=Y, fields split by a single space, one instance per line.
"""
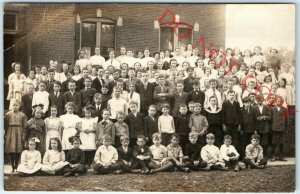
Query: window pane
x=88 y=37
x=107 y=38
x=187 y=39
x=166 y=38
x=10 y=21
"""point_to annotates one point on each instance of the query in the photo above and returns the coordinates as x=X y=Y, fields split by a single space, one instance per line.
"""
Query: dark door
x=9 y=58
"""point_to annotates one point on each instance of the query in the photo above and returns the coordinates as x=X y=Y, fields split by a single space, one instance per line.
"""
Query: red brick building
x=34 y=34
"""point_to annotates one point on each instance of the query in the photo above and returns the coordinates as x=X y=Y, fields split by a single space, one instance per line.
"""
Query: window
x=170 y=40
x=10 y=22
x=97 y=32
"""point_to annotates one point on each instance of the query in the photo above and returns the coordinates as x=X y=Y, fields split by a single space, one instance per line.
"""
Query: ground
x=271 y=179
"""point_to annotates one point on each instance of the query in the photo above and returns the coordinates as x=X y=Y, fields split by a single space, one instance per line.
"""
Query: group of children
x=160 y=115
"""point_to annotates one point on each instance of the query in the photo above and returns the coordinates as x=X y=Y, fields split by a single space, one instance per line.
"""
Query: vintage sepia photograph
x=149 y=97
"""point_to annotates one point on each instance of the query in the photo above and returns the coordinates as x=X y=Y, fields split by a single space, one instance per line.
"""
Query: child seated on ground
x=142 y=154
x=31 y=161
x=211 y=154
x=54 y=158
x=254 y=154
x=106 y=157
x=76 y=159
x=126 y=160
x=175 y=153
x=192 y=157
x=229 y=155
x=159 y=162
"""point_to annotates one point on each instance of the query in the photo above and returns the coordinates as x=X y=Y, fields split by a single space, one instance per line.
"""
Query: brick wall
x=55 y=34
x=138 y=20
x=52 y=27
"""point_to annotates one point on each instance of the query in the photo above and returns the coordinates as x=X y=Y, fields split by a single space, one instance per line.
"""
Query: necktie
x=145 y=86
x=131 y=94
x=214 y=93
x=98 y=107
x=104 y=123
x=111 y=62
x=56 y=94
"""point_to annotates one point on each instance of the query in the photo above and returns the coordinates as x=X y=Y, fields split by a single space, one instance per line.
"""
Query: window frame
x=176 y=38
x=99 y=22
x=8 y=31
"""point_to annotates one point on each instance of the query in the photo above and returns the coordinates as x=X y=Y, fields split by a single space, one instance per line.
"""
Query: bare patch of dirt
x=272 y=179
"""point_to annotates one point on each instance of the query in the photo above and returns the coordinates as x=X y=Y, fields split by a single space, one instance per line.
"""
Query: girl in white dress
x=53 y=126
x=198 y=71
x=31 y=160
x=69 y=124
x=290 y=83
x=88 y=127
x=282 y=91
x=16 y=88
x=16 y=67
x=54 y=158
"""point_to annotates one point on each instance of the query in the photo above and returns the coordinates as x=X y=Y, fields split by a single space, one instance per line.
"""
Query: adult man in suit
x=98 y=81
x=145 y=89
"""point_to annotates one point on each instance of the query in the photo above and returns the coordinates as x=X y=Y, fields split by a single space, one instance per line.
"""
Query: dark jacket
x=97 y=84
x=248 y=120
x=135 y=124
x=146 y=96
x=26 y=105
x=182 y=124
x=279 y=119
x=193 y=152
x=127 y=156
x=231 y=113
x=150 y=126
x=59 y=102
x=264 y=125
x=196 y=96
x=75 y=98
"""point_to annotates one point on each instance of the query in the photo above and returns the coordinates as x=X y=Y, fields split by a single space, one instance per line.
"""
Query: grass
x=271 y=179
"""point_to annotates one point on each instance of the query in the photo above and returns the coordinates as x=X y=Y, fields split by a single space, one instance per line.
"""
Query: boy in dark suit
x=142 y=154
x=98 y=106
x=182 y=126
x=134 y=120
x=179 y=97
x=162 y=93
x=196 y=95
x=27 y=101
x=56 y=98
x=279 y=128
x=150 y=124
x=231 y=117
x=126 y=160
x=73 y=96
x=188 y=82
x=105 y=95
x=98 y=81
x=80 y=83
x=263 y=117
x=64 y=85
x=145 y=89
x=87 y=93
x=112 y=84
x=131 y=78
x=248 y=120
x=50 y=81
